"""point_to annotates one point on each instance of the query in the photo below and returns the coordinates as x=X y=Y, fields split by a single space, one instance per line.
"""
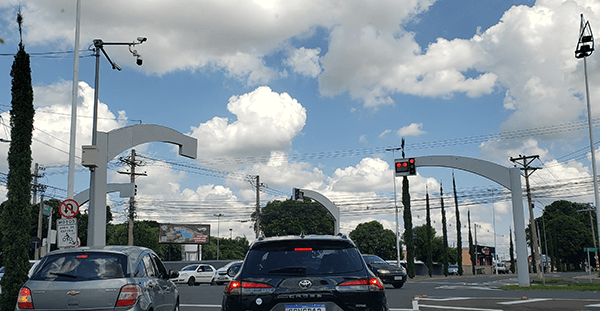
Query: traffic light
x=405 y=167
x=298 y=195
x=412 y=169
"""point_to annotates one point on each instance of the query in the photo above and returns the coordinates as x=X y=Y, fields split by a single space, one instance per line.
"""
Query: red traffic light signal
x=405 y=167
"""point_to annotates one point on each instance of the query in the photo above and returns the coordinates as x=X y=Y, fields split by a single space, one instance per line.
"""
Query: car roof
x=133 y=252
x=290 y=238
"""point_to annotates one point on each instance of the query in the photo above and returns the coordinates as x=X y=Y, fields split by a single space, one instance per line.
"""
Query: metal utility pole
x=35 y=189
x=393 y=150
x=132 y=164
x=257 y=206
x=528 y=170
x=585 y=48
x=218 y=237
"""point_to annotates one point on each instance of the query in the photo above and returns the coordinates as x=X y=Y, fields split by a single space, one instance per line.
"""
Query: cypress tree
x=444 y=234
x=458 y=232
x=429 y=237
x=471 y=246
x=408 y=233
x=512 y=253
x=16 y=210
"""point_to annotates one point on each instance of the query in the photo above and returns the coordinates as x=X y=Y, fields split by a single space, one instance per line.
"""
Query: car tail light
x=128 y=295
x=373 y=285
x=237 y=288
x=24 y=300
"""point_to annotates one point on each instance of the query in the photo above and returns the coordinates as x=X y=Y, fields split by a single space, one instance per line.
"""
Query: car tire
x=398 y=284
x=191 y=281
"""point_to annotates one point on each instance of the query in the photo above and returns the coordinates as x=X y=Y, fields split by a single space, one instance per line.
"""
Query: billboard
x=184 y=234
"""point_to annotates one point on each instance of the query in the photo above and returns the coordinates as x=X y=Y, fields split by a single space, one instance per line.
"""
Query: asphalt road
x=442 y=293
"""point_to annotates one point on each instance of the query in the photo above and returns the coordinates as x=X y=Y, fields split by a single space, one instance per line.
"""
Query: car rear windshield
x=82 y=267
x=306 y=257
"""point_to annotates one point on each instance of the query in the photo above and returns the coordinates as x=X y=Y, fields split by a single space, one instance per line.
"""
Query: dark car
x=127 y=278
x=315 y=273
x=221 y=275
x=388 y=273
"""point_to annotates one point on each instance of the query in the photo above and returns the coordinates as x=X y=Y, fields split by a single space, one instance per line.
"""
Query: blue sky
x=317 y=90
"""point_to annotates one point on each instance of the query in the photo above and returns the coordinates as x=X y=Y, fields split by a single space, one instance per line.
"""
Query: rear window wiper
x=293 y=270
x=63 y=274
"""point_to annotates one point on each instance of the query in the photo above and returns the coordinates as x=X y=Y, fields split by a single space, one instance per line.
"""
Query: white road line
x=200 y=306
x=524 y=301
x=593 y=306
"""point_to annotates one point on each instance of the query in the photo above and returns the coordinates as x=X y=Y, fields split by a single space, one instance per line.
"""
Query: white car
x=195 y=274
x=221 y=276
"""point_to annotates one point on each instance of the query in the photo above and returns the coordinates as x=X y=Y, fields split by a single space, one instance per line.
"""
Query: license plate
x=397 y=277
x=303 y=307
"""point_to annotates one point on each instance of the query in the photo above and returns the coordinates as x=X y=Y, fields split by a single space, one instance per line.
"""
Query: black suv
x=388 y=273
x=317 y=273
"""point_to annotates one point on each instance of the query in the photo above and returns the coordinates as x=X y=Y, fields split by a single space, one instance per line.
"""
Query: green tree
x=235 y=248
x=570 y=230
x=289 y=217
x=371 y=238
x=408 y=235
x=471 y=246
x=429 y=236
x=14 y=218
x=145 y=233
x=444 y=258
x=458 y=232
x=512 y=254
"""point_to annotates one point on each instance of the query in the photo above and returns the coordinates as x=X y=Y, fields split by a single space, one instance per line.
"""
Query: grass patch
x=557 y=284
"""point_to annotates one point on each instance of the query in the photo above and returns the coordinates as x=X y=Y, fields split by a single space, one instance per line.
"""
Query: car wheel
x=191 y=281
x=397 y=284
x=212 y=282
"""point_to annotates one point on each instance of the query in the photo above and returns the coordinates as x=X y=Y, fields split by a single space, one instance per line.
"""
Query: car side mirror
x=173 y=274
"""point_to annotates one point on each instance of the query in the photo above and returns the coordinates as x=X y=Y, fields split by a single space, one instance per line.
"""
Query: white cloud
x=265 y=121
x=384 y=133
x=305 y=62
x=414 y=129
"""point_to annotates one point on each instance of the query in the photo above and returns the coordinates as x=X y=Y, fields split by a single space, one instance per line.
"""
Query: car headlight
x=383 y=271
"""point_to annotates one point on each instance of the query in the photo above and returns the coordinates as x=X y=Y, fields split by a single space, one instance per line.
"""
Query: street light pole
x=585 y=48
x=393 y=150
x=218 y=225
x=94 y=221
x=495 y=262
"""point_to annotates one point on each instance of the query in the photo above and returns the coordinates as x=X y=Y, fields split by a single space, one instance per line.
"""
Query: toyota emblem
x=305 y=284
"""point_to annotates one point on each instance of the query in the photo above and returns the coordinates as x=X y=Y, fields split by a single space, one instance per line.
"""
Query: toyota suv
x=320 y=273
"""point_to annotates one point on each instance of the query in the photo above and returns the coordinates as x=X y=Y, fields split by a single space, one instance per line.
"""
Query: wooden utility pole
x=35 y=189
x=528 y=170
x=131 y=215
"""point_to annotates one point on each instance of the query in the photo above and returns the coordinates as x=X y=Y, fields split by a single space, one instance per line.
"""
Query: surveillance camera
x=139 y=60
x=142 y=39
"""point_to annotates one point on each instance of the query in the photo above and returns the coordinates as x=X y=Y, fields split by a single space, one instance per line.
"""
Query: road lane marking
x=524 y=301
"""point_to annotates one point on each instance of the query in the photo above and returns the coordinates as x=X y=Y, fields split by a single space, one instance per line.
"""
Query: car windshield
x=82 y=266
x=302 y=259
x=373 y=259
x=190 y=268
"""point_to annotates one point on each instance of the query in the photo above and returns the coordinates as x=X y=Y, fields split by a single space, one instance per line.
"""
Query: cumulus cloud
x=414 y=129
x=305 y=62
x=264 y=121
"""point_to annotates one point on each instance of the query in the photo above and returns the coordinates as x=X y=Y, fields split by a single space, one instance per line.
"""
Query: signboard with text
x=66 y=232
x=184 y=234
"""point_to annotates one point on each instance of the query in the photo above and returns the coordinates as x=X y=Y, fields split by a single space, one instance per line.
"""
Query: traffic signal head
x=405 y=167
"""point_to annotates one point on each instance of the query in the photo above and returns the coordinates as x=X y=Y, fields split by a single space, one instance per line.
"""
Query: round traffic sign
x=68 y=208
